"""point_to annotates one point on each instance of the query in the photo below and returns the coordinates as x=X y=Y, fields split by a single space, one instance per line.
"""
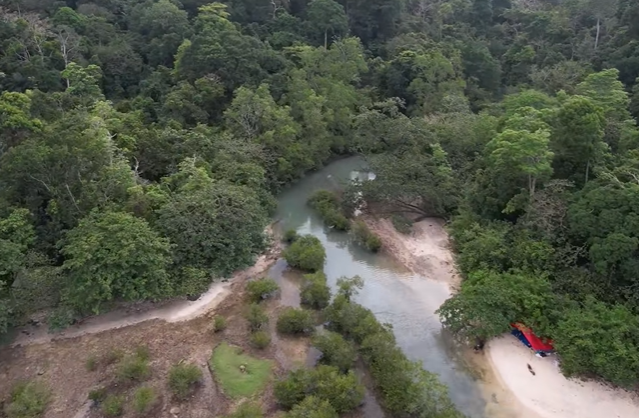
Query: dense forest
x=142 y=143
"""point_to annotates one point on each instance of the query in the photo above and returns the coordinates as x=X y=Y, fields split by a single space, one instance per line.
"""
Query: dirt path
x=170 y=311
x=510 y=390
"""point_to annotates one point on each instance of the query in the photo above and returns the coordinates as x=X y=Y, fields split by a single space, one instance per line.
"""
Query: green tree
x=112 y=255
x=601 y=339
x=315 y=292
x=490 y=301
x=342 y=391
x=522 y=154
x=336 y=351
x=578 y=137
x=306 y=253
x=312 y=407
x=327 y=16
x=15 y=119
x=215 y=226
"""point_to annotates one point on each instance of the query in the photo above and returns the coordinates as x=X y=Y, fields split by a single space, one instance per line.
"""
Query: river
x=395 y=295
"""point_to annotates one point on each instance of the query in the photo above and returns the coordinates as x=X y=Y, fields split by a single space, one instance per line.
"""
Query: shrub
x=336 y=351
x=142 y=352
x=295 y=321
x=113 y=355
x=313 y=407
x=256 y=317
x=98 y=395
x=402 y=224
x=315 y=291
x=134 y=368
x=219 y=323
x=327 y=204
x=113 y=406
x=143 y=399
x=260 y=339
x=61 y=318
x=290 y=236
x=307 y=253
x=342 y=391
x=247 y=410
x=28 y=400
x=365 y=237
x=373 y=243
x=92 y=363
x=261 y=289
x=183 y=378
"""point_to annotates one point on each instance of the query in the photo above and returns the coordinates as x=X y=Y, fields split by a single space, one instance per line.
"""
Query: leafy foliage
x=261 y=289
x=315 y=292
x=328 y=205
x=143 y=399
x=28 y=400
x=295 y=321
x=306 y=253
x=256 y=317
x=260 y=339
x=114 y=255
x=183 y=378
x=336 y=351
x=342 y=391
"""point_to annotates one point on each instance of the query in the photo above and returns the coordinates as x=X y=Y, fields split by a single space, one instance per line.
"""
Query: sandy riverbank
x=511 y=391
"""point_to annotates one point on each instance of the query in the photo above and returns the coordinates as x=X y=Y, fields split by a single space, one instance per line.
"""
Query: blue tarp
x=520 y=335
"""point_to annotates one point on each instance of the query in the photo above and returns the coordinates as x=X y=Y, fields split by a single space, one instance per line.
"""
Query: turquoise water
x=395 y=296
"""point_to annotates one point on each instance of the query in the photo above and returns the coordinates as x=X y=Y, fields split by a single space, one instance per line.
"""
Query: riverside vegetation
x=142 y=142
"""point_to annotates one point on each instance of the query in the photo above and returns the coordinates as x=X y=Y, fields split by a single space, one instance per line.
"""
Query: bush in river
x=295 y=321
x=313 y=407
x=28 y=400
x=183 y=378
x=336 y=351
x=327 y=383
x=306 y=253
x=315 y=292
x=290 y=236
x=366 y=237
x=261 y=289
x=327 y=204
x=405 y=387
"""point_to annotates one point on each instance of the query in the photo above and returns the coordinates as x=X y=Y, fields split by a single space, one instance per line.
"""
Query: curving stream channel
x=395 y=296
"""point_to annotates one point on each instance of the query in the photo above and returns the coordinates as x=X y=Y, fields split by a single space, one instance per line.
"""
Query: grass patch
x=143 y=399
x=28 y=400
x=226 y=362
x=113 y=406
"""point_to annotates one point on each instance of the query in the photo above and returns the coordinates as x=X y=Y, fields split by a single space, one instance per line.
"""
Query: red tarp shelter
x=535 y=342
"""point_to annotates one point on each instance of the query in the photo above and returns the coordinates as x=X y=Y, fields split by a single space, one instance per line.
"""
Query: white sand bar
x=548 y=393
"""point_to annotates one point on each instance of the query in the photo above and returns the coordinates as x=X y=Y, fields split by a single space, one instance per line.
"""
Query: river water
x=395 y=295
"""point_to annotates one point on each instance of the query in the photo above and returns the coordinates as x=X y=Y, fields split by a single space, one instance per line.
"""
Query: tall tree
x=113 y=255
x=327 y=16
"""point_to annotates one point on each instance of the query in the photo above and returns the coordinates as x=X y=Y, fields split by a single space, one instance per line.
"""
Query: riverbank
x=509 y=388
x=177 y=310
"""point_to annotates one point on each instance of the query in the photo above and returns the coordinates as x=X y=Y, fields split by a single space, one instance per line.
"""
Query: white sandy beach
x=511 y=391
x=548 y=393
